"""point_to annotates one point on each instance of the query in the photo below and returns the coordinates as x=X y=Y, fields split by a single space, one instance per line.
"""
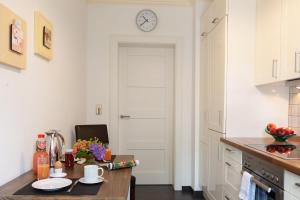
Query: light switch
x=99 y=109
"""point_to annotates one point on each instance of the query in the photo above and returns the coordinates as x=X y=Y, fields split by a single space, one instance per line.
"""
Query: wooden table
x=116 y=188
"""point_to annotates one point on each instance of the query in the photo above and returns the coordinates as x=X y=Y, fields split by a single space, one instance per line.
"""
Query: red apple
x=271 y=126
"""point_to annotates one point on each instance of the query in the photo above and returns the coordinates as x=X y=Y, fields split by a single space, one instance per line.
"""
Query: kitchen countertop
x=241 y=144
x=116 y=188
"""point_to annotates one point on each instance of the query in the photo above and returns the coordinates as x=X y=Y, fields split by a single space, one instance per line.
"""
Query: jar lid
x=41 y=135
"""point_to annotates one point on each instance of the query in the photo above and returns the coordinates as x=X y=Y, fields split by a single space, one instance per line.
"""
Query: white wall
x=249 y=108
x=47 y=95
x=106 y=20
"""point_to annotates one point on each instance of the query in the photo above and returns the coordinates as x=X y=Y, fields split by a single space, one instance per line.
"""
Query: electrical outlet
x=99 y=109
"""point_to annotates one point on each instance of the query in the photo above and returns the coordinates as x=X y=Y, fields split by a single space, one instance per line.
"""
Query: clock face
x=146 y=20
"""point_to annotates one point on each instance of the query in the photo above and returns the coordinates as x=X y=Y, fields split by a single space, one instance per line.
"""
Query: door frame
x=179 y=169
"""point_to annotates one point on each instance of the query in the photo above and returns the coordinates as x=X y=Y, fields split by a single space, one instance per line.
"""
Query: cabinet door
x=288 y=196
x=204 y=165
x=291 y=44
x=232 y=176
x=215 y=173
x=203 y=89
x=216 y=77
x=268 y=37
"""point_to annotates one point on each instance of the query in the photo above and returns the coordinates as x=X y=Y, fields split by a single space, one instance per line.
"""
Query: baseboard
x=189 y=189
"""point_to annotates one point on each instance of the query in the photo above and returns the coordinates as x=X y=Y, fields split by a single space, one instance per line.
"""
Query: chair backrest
x=85 y=132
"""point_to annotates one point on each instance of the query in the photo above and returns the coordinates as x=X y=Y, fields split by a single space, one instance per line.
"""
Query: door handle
x=124 y=116
x=215 y=20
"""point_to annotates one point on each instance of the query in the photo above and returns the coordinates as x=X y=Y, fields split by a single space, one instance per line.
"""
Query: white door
x=146 y=111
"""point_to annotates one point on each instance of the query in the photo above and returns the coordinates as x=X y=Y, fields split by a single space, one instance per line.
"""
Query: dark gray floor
x=162 y=192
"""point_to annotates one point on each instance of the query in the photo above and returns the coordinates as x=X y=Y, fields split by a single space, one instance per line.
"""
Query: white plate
x=51 y=184
x=58 y=175
x=98 y=180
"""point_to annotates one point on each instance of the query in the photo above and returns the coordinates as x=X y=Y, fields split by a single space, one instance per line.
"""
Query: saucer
x=58 y=175
x=84 y=181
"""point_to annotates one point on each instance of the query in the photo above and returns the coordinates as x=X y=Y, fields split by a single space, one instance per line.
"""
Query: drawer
x=232 y=175
x=232 y=153
x=292 y=183
x=229 y=196
x=288 y=196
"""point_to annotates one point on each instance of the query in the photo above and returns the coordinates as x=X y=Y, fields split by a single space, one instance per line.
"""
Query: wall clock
x=146 y=20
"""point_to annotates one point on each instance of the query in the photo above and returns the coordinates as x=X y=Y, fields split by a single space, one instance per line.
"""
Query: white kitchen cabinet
x=291 y=39
x=215 y=172
x=277 y=41
x=288 y=196
x=268 y=41
x=232 y=176
x=232 y=167
x=203 y=90
x=292 y=184
x=216 y=76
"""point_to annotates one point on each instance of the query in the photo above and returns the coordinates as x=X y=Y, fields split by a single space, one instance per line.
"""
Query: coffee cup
x=91 y=173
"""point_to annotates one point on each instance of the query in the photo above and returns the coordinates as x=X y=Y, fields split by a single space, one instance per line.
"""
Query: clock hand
x=143 y=23
x=145 y=18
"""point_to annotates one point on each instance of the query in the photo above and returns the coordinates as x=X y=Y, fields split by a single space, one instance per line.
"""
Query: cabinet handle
x=297 y=53
x=228 y=164
x=220 y=118
x=215 y=20
x=229 y=150
x=297 y=184
x=227 y=198
x=275 y=69
x=204 y=34
x=124 y=116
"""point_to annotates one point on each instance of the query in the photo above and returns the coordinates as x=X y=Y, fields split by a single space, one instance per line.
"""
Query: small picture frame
x=43 y=36
x=47 y=37
x=17 y=37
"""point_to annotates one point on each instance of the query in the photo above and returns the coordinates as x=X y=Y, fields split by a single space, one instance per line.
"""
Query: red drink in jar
x=69 y=159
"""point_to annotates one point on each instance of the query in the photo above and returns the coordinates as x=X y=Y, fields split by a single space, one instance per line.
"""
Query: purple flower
x=98 y=151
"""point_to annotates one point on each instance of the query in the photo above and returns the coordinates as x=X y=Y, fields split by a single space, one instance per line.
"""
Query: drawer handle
x=297 y=184
x=227 y=198
x=228 y=164
x=229 y=150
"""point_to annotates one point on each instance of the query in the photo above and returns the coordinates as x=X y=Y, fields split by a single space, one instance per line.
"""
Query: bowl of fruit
x=279 y=134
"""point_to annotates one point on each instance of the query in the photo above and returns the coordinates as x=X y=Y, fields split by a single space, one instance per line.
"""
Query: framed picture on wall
x=47 y=37
x=13 y=40
x=16 y=37
x=43 y=36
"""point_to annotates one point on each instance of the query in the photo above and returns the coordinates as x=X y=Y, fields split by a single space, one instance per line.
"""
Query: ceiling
x=157 y=2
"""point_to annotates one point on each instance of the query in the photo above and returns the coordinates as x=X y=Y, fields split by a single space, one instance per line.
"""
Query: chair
x=85 y=132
